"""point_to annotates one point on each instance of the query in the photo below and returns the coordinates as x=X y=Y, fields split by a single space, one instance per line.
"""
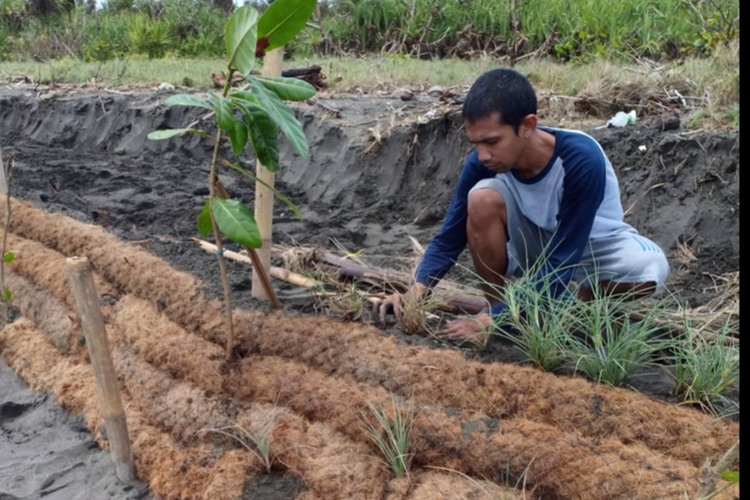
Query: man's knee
x=486 y=206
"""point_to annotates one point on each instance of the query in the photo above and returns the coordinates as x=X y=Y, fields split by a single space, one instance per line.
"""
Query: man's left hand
x=473 y=329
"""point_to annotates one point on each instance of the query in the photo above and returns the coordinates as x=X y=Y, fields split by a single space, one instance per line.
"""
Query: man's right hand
x=395 y=302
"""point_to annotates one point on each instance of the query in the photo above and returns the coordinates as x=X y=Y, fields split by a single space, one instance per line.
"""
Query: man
x=527 y=193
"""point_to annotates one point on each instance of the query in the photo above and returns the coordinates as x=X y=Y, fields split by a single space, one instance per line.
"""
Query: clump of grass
x=348 y=303
x=415 y=312
x=535 y=324
x=580 y=27
x=392 y=436
x=533 y=321
x=255 y=443
x=597 y=337
x=705 y=369
x=606 y=344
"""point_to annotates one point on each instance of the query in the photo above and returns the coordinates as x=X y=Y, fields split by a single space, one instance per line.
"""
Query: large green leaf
x=223 y=110
x=262 y=131
x=264 y=136
x=288 y=89
x=278 y=194
x=238 y=137
x=237 y=222
x=186 y=100
x=241 y=35
x=204 y=220
x=283 y=20
x=9 y=257
x=283 y=116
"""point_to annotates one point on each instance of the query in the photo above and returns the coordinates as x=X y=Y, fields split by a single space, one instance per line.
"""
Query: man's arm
x=444 y=249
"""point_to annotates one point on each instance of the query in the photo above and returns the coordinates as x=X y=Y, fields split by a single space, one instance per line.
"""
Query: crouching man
x=531 y=196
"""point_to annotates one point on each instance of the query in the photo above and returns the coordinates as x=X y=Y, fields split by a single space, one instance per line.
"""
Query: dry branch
x=382 y=280
x=710 y=476
x=275 y=272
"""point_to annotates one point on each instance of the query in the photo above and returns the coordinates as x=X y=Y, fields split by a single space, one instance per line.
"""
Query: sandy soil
x=381 y=171
x=45 y=452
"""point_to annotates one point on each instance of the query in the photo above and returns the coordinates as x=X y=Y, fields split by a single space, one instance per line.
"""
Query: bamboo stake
x=107 y=386
x=257 y=266
x=6 y=172
x=3 y=180
x=264 y=196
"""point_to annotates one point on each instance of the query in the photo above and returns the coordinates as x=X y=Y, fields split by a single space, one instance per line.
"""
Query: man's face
x=498 y=147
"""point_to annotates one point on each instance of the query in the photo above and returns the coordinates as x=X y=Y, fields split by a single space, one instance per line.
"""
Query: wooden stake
x=107 y=386
x=257 y=266
x=264 y=196
x=3 y=180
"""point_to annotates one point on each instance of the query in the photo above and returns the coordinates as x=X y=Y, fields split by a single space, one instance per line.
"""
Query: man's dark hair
x=504 y=91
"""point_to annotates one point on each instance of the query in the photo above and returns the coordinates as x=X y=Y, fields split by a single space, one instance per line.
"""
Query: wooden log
x=457 y=305
x=395 y=281
x=299 y=72
x=263 y=195
x=311 y=75
x=275 y=272
x=107 y=385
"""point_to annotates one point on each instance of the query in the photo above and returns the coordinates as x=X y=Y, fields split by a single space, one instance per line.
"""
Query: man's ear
x=528 y=126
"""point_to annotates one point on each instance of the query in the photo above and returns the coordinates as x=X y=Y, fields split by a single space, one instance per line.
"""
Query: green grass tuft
x=606 y=344
x=706 y=369
x=392 y=436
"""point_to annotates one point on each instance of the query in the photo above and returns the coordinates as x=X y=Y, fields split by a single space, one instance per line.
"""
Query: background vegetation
x=562 y=29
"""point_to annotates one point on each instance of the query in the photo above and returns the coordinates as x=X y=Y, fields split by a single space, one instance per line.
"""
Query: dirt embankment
x=381 y=171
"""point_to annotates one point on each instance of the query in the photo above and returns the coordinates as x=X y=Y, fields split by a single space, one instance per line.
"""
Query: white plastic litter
x=622 y=119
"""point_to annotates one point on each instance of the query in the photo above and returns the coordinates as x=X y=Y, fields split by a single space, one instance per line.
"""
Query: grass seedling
x=613 y=346
x=534 y=321
x=256 y=444
x=347 y=303
x=416 y=310
x=705 y=369
x=6 y=257
x=536 y=325
x=392 y=436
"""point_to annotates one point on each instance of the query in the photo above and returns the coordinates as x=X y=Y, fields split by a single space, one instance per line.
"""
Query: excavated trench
x=381 y=171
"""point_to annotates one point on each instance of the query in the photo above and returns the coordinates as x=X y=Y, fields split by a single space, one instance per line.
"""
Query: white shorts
x=626 y=257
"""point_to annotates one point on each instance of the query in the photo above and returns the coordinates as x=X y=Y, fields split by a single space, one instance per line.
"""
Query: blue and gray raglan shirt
x=576 y=197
